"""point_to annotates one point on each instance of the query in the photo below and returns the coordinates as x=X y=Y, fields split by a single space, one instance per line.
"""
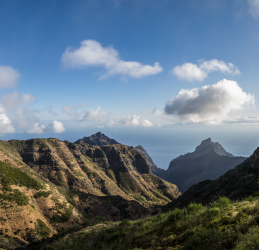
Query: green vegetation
x=42 y=229
x=13 y=176
x=221 y=225
x=16 y=196
x=42 y=194
x=63 y=213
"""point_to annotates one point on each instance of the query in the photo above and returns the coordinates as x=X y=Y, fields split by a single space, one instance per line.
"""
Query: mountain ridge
x=237 y=183
x=47 y=185
x=209 y=161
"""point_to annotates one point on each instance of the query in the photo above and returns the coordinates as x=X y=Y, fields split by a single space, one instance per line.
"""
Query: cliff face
x=236 y=184
x=48 y=184
x=209 y=161
x=155 y=170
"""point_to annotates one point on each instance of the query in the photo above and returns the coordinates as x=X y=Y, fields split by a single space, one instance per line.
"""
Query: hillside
x=209 y=161
x=47 y=185
x=236 y=184
x=219 y=226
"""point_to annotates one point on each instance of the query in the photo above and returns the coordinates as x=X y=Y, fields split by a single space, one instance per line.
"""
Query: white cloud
x=95 y=114
x=158 y=112
x=135 y=121
x=254 y=7
x=54 y=126
x=8 y=77
x=6 y=126
x=91 y=53
x=209 y=105
x=37 y=129
x=198 y=72
x=18 y=106
x=243 y=120
x=57 y=127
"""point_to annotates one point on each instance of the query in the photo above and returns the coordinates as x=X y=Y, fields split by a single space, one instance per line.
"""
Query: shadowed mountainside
x=236 y=184
x=155 y=170
x=209 y=161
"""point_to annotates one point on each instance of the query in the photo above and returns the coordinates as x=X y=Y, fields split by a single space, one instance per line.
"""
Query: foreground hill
x=219 y=226
x=209 y=161
x=47 y=185
x=236 y=184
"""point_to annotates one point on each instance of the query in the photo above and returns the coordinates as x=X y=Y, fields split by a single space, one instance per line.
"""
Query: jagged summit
x=209 y=161
x=98 y=139
x=207 y=145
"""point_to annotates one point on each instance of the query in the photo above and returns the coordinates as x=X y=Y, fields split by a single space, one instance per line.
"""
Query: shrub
x=249 y=240
x=210 y=239
x=212 y=212
x=42 y=194
x=222 y=202
x=193 y=208
x=175 y=215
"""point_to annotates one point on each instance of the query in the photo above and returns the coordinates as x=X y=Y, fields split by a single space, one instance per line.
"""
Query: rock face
x=155 y=170
x=48 y=184
x=236 y=184
x=98 y=139
x=209 y=161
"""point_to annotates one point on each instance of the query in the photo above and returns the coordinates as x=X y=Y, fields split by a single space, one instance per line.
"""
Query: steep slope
x=48 y=184
x=98 y=139
x=209 y=161
x=108 y=170
x=236 y=184
x=155 y=170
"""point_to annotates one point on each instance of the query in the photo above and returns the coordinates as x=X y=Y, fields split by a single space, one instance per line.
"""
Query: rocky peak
x=208 y=145
x=98 y=139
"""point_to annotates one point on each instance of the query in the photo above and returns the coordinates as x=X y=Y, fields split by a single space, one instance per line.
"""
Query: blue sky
x=175 y=71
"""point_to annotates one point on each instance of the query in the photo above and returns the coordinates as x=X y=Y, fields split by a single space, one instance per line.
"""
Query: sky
x=160 y=73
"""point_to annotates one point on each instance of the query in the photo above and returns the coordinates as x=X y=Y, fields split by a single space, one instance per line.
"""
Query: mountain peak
x=98 y=139
x=208 y=145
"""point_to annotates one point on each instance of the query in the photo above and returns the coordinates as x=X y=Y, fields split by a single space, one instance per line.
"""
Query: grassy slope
x=221 y=225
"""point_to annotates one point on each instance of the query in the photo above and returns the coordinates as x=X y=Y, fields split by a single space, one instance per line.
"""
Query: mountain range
x=48 y=185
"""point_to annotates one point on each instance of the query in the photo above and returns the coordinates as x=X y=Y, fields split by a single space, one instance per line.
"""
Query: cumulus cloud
x=209 y=105
x=95 y=114
x=8 y=77
x=57 y=127
x=92 y=53
x=18 y=106
x=37 y=129
x=198 y=72
x=54 y=126
x=6 y=126
x=254 y=7
x=135 y=121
